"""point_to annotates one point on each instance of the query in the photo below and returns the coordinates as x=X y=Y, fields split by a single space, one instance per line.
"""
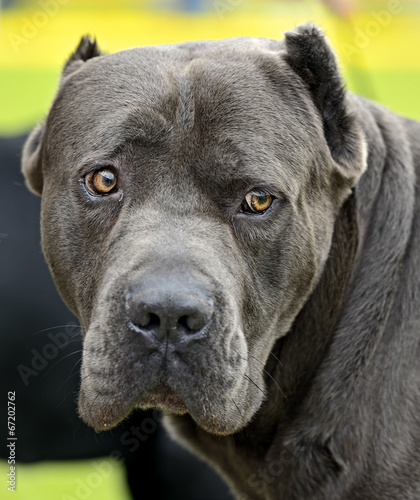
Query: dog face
x=189 y=195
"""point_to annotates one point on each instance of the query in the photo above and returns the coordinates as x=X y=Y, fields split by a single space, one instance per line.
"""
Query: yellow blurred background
x=378 y=43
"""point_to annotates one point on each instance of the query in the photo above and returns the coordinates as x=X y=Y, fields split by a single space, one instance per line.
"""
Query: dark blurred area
x=40 y=352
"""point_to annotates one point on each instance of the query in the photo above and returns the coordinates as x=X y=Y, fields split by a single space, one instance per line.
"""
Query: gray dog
x=240 y=237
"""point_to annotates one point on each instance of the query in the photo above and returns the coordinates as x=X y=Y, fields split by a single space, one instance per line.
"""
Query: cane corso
x=239 y=236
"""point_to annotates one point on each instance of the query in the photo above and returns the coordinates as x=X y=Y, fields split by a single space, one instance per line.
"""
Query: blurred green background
x=378 y=44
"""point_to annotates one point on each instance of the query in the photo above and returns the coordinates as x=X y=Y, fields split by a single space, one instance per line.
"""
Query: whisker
x=58 y=326
x=264 y=370
x=269 y=374
x=245 y=375
x=233 y=401
x=76 y=427
x=275 y=357
x=70 y=376
x=250 y=379
x=59 y=360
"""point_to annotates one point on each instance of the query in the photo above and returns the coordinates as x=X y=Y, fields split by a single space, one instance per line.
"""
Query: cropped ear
x=87 y=49
x=31 y=160
x=31 y=156
x=310 y=56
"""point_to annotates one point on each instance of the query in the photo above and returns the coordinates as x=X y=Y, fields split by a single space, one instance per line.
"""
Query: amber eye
x=101 y=181
x=257 y=201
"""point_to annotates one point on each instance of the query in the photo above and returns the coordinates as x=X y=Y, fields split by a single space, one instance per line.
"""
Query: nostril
x=183 y=322
x=154 y=322
x=191 y=323
x=140 y=313
x=147 y=320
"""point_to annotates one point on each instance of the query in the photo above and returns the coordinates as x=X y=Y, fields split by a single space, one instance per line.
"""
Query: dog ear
x=87 y=49
x=31 y=160
x=31 y=156
x=310 y=56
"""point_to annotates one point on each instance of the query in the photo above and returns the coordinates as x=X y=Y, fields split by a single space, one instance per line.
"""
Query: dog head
x=189 y=195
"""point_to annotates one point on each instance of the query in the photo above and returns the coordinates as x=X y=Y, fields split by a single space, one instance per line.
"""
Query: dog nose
x=169 y=309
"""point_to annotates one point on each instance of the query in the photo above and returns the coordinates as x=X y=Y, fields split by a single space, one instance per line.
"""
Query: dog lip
x=162 y=397
x=103 y=414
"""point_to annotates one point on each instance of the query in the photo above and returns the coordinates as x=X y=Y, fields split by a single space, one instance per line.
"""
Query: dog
x=239 y=236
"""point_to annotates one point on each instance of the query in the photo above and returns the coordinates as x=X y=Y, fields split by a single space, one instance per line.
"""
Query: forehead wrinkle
x=185 y=99
x=146 y=126
x=108 y=144
x=255 y=167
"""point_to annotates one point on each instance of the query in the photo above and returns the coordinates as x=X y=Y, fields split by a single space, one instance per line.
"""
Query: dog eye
x=101 y=181
x=257 y=201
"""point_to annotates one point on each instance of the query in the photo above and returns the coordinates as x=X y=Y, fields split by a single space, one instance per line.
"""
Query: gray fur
x=306 y=383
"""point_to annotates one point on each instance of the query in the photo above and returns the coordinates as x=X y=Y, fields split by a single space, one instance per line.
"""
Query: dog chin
x=163 y=398
x=210 y=417
x=107 y=412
